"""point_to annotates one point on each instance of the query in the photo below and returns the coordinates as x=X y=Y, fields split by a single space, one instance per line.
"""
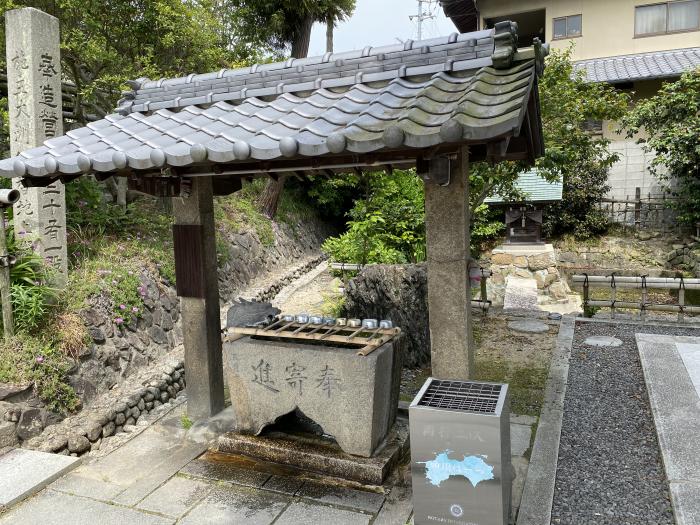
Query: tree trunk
x=330 y=24
x=269 y=199
x=300 y=44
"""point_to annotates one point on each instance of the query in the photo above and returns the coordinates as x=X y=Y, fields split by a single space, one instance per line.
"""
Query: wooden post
x=638 y=208
x=198 y=288
x=447 y=243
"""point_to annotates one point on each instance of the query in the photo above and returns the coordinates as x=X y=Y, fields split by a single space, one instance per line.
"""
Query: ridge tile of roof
x=462 y=51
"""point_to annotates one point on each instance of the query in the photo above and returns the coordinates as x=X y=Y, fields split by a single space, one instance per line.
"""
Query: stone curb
x=538 y=494
x=649 y=322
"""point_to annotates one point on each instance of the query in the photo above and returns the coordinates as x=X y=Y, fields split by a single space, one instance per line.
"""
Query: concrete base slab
x=322 y=456
x=25 y=472
x=669 y=368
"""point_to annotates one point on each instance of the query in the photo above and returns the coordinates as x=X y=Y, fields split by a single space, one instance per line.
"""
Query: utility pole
x=421 y=16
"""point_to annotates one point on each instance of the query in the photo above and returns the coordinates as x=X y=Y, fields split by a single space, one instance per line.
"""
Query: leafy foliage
x=30 y=293
x=387 y=226
x=671 y=120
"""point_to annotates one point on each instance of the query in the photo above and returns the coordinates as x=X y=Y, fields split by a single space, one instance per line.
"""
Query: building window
x=567 y=27
x=669 y=17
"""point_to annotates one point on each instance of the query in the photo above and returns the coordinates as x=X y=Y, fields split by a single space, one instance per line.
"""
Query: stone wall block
x=31 y=423
x=8 y=434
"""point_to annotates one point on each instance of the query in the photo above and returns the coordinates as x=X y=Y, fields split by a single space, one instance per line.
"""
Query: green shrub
x=29 y=358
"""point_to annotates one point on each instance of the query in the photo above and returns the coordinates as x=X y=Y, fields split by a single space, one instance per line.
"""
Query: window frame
x=566 y=19
x=666 y=32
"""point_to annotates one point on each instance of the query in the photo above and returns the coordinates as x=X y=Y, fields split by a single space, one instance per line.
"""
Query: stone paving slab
x=57 y=508
x=342 y=496
x=690 y=354
x=675 y=404
x=283 y=484
x=25 y=472
x=203 y=468
x=521 y=294
x=303 y=513
x=234 y=504
x=131 y=472
x=685 y=498
x=176 y=497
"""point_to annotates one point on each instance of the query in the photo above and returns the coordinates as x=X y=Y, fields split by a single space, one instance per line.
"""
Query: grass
x=238 y=213
x=186 y=422
x=526 y=384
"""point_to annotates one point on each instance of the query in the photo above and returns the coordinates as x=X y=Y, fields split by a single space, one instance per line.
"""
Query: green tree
x=284 y=25
x=572 y=154
x=671 y=121
x=106 y=42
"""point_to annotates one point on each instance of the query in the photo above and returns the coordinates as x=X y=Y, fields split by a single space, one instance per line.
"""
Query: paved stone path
x=163 y=477
x=672 y=374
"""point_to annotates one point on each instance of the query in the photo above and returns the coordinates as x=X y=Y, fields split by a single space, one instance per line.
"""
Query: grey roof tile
x=397 y=96
x=641 y=66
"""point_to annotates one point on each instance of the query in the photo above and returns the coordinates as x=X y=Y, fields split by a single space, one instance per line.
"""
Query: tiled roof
x=535 y=189
x=471 y=88
x=628 y=68
x=463 y=14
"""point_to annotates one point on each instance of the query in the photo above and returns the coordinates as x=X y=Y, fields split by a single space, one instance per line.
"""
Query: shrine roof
x=339 y=110
x=534 y=188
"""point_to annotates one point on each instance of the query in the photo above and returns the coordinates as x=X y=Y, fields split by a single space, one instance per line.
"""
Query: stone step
x=521 y=294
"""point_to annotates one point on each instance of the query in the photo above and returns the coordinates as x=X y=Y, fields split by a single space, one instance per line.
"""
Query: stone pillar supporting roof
x=386 y=105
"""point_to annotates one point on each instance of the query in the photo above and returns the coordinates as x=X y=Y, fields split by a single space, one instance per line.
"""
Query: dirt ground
x=504 y=356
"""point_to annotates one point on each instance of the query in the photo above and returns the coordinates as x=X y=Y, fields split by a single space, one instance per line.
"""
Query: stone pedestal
x=536 y=262
x=36 y=114
x=353 y=398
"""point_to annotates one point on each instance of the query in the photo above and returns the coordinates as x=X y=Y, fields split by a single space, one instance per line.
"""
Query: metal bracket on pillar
x=496 y=151
x=436 y=169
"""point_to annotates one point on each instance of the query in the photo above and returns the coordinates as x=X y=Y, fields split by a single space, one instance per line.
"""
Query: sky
x=381 y=22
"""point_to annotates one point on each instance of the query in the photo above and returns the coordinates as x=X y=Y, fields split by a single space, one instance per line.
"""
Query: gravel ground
x=609 y=469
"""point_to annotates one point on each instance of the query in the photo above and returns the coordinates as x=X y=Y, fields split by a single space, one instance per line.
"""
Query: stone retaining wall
x=117 y=412
x=542 y=267
x=399 y=293
x=686 y=256
x=120 y=352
